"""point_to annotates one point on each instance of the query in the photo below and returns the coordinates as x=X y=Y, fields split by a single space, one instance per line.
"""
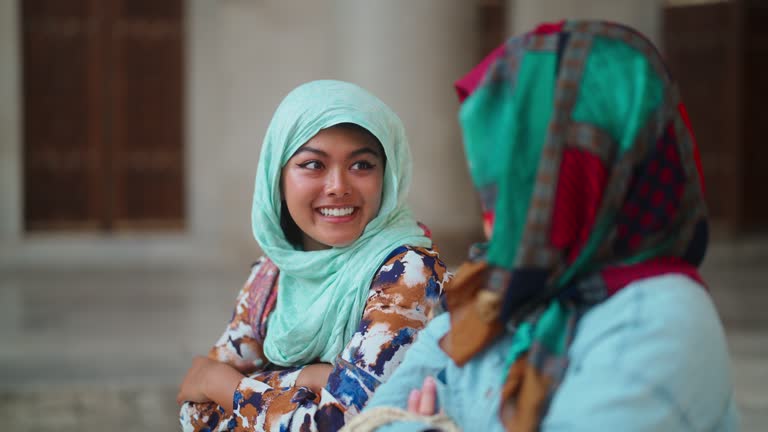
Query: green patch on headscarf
x=618 y=91
x=505 y=129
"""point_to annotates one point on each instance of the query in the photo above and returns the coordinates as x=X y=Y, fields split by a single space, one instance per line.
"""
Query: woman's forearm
x=314 y=376
x=220 y=384
x=221 y=380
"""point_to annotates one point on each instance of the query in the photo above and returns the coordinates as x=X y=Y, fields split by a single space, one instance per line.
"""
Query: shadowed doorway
x=102 y=114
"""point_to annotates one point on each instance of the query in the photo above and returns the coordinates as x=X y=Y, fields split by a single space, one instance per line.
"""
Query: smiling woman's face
x=332 y=186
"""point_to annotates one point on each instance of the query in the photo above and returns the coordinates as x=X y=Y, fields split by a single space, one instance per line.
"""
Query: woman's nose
x=336 y=183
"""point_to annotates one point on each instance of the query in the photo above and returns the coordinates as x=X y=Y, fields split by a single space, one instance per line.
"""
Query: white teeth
x=346 y=211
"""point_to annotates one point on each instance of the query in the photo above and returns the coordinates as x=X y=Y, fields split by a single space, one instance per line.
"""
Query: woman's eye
x=363 y=165
x=313 y=165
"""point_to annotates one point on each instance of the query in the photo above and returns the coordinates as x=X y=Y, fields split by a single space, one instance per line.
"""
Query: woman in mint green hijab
x=347 y=281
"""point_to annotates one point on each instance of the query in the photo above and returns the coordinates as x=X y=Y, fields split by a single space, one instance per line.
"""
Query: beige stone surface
x=103 y=349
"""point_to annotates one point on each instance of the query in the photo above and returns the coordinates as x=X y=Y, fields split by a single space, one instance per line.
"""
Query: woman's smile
x=338 y=214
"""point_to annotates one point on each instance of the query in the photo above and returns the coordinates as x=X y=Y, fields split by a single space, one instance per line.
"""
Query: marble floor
x=86 y=349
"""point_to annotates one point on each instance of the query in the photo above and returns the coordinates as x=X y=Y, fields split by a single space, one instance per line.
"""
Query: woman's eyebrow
x=365 y=150
x=311 y=150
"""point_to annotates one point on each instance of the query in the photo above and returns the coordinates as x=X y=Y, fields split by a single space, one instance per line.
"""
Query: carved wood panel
x=103 y=105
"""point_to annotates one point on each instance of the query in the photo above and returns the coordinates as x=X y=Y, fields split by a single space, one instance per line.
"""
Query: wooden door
x=491 y=26
x=102 y=95
x=719 y=53
x=146 y=158
x=62 y=100
x=755 y=115
x=703 y=48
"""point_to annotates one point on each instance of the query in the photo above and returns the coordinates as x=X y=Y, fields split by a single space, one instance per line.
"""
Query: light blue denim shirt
x=651 y=358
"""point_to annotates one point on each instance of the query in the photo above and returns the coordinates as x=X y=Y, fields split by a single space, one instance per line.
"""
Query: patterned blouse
x=405 y=293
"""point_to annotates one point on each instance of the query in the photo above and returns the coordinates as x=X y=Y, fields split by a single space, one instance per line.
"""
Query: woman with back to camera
x=585 y=310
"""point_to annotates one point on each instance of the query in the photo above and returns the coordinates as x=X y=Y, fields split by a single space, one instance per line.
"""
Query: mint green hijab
x=322 y=294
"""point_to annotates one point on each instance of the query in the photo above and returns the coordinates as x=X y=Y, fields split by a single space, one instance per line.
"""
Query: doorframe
x=199 y=244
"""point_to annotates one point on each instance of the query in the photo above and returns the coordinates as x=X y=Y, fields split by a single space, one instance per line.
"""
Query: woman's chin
x=341 y=241
x=327 y=242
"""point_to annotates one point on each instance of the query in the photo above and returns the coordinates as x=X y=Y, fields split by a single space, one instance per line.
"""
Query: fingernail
x=429 y=381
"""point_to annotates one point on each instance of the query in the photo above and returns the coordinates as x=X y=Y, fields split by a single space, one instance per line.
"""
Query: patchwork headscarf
x=587 y=168
x=322 y=293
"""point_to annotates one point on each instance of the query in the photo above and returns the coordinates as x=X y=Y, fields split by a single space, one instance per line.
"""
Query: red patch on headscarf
x=696 y=154
x=580 y=188
x=620 y=276
x=549 y=28
x=467 y=84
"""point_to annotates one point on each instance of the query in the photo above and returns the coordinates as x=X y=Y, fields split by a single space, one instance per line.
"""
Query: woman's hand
x=423 y=401
x=209 y=380
x=314 y=376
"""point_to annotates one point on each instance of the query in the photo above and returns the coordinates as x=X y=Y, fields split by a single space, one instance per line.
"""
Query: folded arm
x=403 y=295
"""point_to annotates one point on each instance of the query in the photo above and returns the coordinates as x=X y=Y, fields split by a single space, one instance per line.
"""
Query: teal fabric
x=504 y=129
x=618 y=79
x=322 y=293
x=547 y=331
x=624 y=373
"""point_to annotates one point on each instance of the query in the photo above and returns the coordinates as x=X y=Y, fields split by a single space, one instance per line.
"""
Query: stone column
x=409 y=53
x=11 y=149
